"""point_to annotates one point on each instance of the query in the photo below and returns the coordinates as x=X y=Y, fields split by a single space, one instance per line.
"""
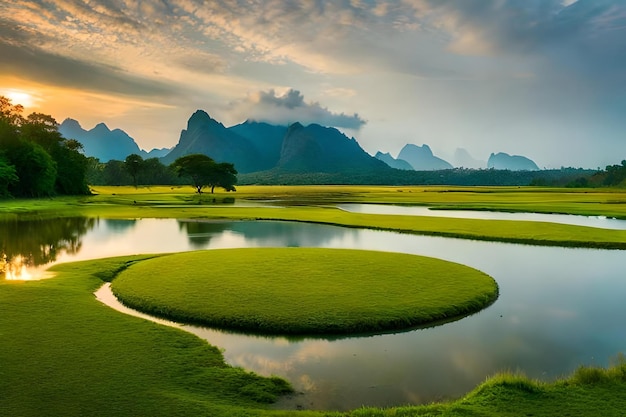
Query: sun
x=20 y=97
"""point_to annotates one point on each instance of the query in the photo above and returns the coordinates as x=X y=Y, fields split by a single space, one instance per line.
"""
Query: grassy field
x=593 y=201
x=65 y=354
x=301 y=291
x=314 y=204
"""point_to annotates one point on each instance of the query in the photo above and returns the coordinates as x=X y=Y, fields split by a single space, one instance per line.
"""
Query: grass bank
x=311 y=204
x=64 y=353
x=302 y=291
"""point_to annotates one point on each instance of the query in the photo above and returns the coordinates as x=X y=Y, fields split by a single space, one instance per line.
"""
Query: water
x=558 y=308
x=602 y=222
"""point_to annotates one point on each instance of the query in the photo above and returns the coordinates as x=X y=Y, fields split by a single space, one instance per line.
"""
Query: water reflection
x=25 y=244
x=558 y=308
x=590 y=221
x=200 y=233
x=120 y=225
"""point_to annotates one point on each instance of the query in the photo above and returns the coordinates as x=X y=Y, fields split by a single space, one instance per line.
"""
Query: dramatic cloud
x=518 y=76
x=290 y=107
x=47 y=68
x=566 y=35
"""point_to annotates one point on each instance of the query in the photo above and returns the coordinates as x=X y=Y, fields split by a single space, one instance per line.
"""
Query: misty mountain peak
x=462 y=158
x=202 y=118
x=71 y=124
x=392 y=162
x=100 y=128
x=502 y=160
x=421 y=158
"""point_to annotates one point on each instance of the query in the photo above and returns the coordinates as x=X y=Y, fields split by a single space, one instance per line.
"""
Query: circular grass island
x=304 y=291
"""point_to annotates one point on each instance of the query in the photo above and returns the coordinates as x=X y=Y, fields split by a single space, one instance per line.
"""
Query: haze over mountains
x=255 y=146
x=104 y=143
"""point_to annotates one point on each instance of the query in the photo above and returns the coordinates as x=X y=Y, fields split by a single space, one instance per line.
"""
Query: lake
x=559 y=308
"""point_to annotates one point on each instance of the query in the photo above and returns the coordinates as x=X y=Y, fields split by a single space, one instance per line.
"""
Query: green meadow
x=302 y=291
x=65 y=354
x=315 y=204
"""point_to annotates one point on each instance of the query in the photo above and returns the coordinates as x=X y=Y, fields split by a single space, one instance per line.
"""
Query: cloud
x=48 y=68
x=290 y=107
x=564 y=36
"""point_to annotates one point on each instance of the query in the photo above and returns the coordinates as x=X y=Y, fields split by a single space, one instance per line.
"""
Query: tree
x=72 y=168
x=35 y=168
x=11 y=114
x=43 y=130
x=224 y=176
x=204 y=171
x=153 y=172
x=10 y=120
x=44 y=161
x=114 y=173
x=133 y=164
x=8 y=176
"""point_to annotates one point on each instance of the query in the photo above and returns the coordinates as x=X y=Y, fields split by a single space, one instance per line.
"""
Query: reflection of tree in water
x=120 y=225
x=38 y=242
x=293 y=234
x=264 y=233
x=200 y=233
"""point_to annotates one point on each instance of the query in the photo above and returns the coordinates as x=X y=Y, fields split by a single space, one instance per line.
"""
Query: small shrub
x=586 y=375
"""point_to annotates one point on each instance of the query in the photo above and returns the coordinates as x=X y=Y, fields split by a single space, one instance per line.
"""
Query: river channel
x=559 y=308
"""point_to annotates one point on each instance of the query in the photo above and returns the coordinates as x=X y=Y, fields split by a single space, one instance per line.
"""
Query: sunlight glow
x=20 y=97
x=16 y=270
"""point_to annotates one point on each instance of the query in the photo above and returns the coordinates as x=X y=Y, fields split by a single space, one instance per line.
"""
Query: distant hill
x=316 y=148
x=462 y=158
x=421 y=158
x=503 y=160
x=207 y=136
x=155 y=153
x=302 y=154
x=104 y=143
x=393 y=162
x=258 y=147
x=100 y=142
x=267 y=139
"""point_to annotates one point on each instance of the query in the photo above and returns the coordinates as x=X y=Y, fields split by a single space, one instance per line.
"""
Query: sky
x=541 y=78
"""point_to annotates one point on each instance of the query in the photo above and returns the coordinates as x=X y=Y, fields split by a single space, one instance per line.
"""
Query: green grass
x=311 y=204
x=300 y=291
x=63 y=353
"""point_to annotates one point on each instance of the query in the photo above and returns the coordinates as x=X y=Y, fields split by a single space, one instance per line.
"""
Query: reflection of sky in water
x=558 y=308
x=591 y=221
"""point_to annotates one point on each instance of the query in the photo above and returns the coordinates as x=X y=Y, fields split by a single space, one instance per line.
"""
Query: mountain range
x=104 y=143
x=261 y=147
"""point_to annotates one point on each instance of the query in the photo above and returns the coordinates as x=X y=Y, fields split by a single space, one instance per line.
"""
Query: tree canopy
x=205 y=172
x=133 y=165
x=35 y=160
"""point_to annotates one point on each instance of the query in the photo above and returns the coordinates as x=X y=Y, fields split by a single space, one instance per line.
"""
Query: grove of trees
x=614 y=175
x=35 y=160
x=205 y=172
x=198 y=170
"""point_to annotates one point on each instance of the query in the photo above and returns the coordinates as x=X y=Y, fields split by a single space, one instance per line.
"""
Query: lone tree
x=205 y=172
